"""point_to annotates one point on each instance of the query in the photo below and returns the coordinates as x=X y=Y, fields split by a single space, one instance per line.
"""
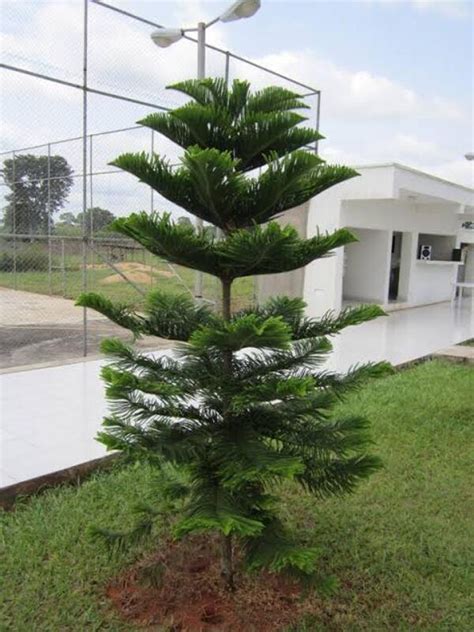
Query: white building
x=394 y=210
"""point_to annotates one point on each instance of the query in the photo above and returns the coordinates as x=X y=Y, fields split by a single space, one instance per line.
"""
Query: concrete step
x=457 y=353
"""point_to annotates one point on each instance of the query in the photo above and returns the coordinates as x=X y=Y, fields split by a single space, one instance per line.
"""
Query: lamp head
x=240 y=9
x=165 y=37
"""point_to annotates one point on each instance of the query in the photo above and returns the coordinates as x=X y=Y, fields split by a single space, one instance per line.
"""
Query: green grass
x=401 y=546
x=468 y=343
x=68 y=283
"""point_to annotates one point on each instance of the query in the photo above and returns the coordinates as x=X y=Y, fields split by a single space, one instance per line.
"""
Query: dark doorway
x=395 y=266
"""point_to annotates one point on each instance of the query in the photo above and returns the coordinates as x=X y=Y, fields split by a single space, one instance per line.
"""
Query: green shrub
x=29 y=259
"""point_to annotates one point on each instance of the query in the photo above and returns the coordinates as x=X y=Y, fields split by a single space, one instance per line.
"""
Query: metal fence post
x=15 y=285
x=50 y=258
x=152 y=204
x=63 y=266
x=84 y=174
x=91 y=205
x=152 y=149
x=318 y=117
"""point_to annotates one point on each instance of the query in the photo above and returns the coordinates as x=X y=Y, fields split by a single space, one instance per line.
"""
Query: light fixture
x=165 y=37
x=469 y=156
x=240 y=9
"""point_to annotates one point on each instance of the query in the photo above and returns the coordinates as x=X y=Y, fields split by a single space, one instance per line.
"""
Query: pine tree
x=244 y=404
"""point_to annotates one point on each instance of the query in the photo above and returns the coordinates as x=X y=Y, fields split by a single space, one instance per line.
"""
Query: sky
x=396 y=77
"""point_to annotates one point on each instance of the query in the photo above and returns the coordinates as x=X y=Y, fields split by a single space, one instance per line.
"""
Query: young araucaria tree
x=243 y=404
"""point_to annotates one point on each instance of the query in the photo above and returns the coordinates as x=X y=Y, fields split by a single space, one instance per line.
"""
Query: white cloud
x=407 y=149
x=460 y=171
x=448 y=8
x=123 y=59
x=411 y=146
x=360 y=94
x=372 y=118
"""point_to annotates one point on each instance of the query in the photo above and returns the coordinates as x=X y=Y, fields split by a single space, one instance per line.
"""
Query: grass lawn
x=152 y=273
x=401 y=546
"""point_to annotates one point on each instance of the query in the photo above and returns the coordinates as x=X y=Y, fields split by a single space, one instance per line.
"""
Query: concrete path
x=49 y=416
x=18 y=308
x=38 y=329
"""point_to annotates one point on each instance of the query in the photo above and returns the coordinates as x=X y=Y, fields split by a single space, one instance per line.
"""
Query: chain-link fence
x=58 y=198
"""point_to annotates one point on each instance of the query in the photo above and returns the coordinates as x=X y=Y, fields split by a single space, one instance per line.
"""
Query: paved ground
x=18 y=308
x=457 y=353
x=49 y=416
x=37 y=329
x=24 y=346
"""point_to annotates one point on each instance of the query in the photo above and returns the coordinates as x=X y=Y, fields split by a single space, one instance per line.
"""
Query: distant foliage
x=94 y=221
x=39 y=187
x=26 y=259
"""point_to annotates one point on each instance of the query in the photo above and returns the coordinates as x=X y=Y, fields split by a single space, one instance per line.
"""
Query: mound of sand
x=136 y=272
x=136 y=277
x=123 y=266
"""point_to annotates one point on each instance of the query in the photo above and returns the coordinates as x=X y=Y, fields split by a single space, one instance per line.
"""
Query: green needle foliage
x=245 y=404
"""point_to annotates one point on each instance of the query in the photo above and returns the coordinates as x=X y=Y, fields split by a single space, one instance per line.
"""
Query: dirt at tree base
x=180 y=589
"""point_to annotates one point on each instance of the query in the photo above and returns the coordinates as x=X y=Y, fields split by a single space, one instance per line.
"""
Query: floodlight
x=240 y=9
x=165 y=37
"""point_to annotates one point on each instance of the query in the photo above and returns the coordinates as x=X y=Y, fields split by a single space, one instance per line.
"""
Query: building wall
x=385 y=198
x=422 y=184
x=323 y=278
x=289 y=283
x=324 y=286
x=407 y=267
x=400 y=215
x=367 y=266
x=469 y=269
x=432 y=282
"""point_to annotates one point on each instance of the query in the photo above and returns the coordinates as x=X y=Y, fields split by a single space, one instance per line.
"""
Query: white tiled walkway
x=49 y=416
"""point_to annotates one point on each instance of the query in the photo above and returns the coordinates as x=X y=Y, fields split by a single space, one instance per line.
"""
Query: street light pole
x=201 y=61
x=201 y=73
x=165 y=37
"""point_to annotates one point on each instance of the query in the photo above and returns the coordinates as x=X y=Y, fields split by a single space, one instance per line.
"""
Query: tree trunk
x=226 y=299
x=227 y=562
x=226 y=313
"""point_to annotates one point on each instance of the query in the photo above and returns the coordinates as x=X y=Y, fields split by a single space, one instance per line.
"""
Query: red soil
x=181 y=587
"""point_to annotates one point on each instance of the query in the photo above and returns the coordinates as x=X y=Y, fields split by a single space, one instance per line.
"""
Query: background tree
x=97 y=219
x=68 y=219
x=208 y=229
x=244 y=405
x=30 y=201
x=184 y=221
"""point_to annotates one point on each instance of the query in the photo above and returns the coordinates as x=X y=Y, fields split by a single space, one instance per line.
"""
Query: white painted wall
x=367 y=266
x=381 y=200
x=407 y=265
x=399 y=215
x=466 y=236
x=431 y=282
x=411 y=180
x=469 y=269
x=323 y=279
